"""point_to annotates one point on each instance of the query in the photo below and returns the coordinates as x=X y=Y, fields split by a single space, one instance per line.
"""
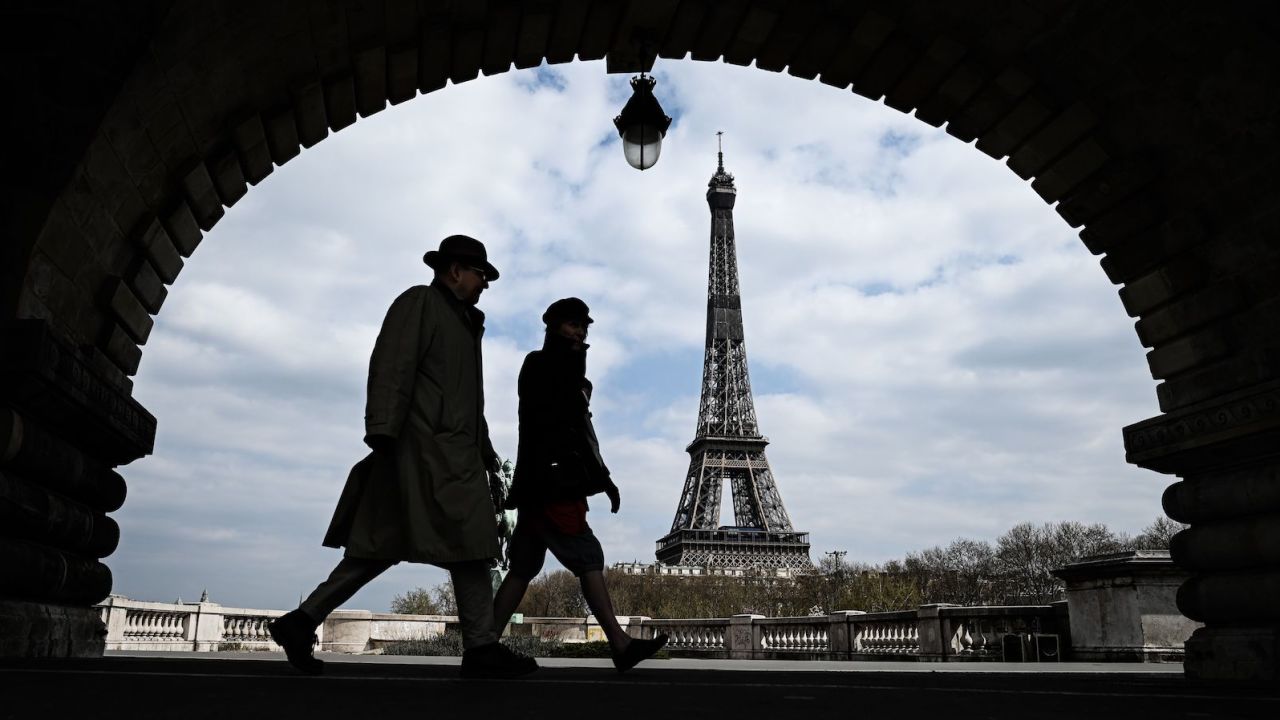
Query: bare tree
x=1157 y=535
x=438 y=600
x=1026 y=556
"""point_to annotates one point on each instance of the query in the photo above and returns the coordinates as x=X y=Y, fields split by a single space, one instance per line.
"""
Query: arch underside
x=1141 y=143
x=1152 y=130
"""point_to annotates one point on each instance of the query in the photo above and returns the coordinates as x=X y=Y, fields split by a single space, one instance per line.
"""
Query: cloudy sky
x=933 y=352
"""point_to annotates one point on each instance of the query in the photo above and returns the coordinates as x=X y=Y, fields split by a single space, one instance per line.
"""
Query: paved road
x=260 y=685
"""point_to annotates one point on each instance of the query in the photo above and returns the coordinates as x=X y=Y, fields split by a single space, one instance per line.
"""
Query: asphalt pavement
x=190 y=686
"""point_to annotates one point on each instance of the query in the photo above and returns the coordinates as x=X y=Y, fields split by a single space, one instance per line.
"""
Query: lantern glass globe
x=641 y=144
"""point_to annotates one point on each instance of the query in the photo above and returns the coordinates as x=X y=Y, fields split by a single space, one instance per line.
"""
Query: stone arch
x=1152 y=134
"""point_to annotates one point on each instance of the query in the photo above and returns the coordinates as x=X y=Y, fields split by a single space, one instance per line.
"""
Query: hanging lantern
x=642 y=124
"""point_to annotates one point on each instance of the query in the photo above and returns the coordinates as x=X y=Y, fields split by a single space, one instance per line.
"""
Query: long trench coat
x=428 y=501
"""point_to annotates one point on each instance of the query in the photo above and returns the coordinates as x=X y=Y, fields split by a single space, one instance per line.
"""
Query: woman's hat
x=462 y=249
x=570 y=308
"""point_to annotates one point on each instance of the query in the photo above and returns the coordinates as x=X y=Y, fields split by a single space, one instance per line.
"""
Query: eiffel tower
x=728 y=446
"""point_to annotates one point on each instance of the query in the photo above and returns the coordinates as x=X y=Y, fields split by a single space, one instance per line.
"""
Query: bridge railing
x=689 y=635
x=930 y=633
x=136 y=625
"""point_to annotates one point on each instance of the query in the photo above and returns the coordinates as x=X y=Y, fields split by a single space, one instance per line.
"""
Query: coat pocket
x=459 y=482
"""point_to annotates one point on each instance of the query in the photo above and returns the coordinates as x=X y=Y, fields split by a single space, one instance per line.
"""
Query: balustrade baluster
x=979 y=638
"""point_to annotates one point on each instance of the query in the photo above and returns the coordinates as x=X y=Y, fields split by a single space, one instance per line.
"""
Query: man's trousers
x=472 y=589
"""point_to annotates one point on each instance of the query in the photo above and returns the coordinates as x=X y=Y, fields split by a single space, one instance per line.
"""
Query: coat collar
x=559 y=350
x=471 y=315
x=554 y=342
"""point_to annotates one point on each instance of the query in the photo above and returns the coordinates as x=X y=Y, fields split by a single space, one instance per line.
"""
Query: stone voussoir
x=340 y=101
x=1188 y=313
x=121 y=348
x=202 y=198
x=1188 y=352
x=160 y=251
x=249 y=136
x=939 y=59
x=1067 y=172
x=1055 y=138
x=402 y=74
x=1181 y=274
x=182 y=228
x=992 y=104
x=128 y=309
x=309 y=114
x=228 y=177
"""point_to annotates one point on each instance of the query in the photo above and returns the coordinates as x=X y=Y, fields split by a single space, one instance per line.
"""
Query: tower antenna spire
x=720 y=148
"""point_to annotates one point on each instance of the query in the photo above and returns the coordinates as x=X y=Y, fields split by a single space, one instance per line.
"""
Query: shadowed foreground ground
x=261 y=685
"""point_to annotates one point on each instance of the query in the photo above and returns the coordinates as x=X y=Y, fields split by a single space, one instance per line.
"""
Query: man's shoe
x=638 y=650
x=495 y=660
x=296 y=632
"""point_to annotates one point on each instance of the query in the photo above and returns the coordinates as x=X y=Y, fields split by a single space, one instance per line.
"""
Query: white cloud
x=933 y=352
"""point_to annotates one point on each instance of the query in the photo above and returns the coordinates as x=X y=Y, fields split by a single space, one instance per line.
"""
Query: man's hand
x=496 y=488
x=381 y=444
x=615 y=500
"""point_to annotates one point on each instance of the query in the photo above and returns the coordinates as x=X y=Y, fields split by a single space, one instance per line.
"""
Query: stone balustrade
x=694 y=636
x=934 y=632
x=931 y=633
x=1121 y=609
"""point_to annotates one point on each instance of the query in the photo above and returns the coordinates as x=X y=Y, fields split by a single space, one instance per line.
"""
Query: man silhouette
x=423 y=494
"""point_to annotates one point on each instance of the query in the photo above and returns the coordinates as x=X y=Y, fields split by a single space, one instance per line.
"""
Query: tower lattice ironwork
x=728 y=446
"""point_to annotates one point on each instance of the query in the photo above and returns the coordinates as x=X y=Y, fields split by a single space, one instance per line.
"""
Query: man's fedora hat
x=570 y=308
x=463 y=249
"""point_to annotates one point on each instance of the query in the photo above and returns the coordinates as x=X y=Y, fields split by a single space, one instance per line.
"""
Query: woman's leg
x=597 y=595
x=507 y=599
